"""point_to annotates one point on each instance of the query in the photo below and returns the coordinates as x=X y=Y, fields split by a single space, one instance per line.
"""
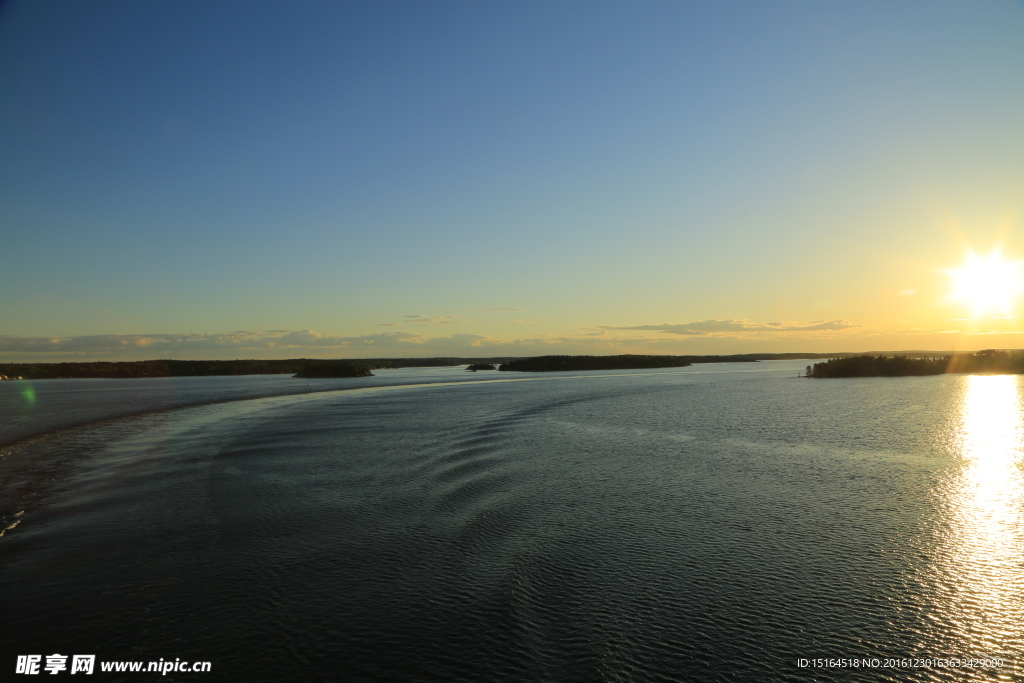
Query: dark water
x=30 y=408
x=708 y=523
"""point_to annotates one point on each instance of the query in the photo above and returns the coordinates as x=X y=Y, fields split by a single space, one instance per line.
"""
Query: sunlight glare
x=979 y=576
x=989 y=284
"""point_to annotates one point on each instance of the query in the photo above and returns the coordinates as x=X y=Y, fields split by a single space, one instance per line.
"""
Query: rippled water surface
x=716 y=522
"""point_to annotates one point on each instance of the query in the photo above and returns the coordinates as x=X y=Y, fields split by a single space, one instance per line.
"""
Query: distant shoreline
x=341 y=367
x=306 y=367
x=574 y=363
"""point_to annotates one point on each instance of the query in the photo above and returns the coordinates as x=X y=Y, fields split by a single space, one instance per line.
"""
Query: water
x=716 y=522
x=30 y=408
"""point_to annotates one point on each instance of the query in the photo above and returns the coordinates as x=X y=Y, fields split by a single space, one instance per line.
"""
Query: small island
x=573 y=363
x=481 y=366
x=990 y=361
x=328 y=369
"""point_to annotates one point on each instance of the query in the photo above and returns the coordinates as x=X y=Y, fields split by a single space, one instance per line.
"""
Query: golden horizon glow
x=988 y=284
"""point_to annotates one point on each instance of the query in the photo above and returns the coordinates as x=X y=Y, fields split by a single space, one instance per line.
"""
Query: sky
x=214 y=179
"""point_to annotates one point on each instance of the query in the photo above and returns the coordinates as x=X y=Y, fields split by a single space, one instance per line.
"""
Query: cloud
x=698 y=337
x=702 y=328
x=966 y=330
x=666 y=338
x=501 y=309
x=425 y=320
x=312 y=344
x=300 y=344
x=199 y=345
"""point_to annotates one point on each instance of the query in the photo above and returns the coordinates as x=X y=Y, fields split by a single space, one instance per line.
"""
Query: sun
x=988 y=285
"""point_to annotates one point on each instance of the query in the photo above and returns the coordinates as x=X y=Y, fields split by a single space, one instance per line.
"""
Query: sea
x=719 y=522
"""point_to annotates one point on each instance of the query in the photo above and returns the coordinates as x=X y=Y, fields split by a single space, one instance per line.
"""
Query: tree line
x=623 y=362
x=989 y=361
x=204 y=368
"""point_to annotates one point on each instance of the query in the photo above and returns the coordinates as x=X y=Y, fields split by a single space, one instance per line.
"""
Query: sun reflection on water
x=980 y=561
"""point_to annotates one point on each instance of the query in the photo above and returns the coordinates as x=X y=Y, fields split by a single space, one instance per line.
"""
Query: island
x=290 y=366
x=481 y=366
x=334 y=368
x=989 y=361
x=623 y=362
x=205 y=368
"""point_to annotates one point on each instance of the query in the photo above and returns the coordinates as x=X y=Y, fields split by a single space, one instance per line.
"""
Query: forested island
x=308 y=368
x=562 y=363
x=206 y=368
x=639 y=362
x=337 y=368
x=991 y=361
x=362 y=367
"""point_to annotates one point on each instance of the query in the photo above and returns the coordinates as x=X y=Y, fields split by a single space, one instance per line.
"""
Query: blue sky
x=228 y=179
